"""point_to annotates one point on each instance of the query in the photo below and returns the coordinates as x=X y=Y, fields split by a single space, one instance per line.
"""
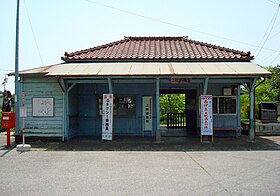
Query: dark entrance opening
x=178 y=112
x=172 y=110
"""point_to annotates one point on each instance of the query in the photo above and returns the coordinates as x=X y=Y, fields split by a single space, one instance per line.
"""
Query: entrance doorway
x=178 y=111
x=172 y=110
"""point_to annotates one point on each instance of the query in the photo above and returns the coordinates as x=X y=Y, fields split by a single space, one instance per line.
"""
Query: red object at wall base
x=8 y=137
x=8 y=120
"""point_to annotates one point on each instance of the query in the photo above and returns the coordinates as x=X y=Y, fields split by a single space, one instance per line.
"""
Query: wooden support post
x=251 y=134
x=205 y=86
x=157 y=104
x=110 y=86
x=65 y=110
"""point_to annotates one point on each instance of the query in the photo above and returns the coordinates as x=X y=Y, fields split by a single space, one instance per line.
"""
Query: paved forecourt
x=139 y=173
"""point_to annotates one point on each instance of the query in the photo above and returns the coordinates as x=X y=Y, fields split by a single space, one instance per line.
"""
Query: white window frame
x=218 y=105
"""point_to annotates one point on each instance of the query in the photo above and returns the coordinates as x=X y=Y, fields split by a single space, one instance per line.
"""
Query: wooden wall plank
x=39 y=86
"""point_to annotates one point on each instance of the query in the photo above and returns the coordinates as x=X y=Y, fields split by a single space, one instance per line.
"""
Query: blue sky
x=50 y=28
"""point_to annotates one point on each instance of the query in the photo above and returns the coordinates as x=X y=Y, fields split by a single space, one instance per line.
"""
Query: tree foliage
x=275 y=81
x=269 y=90
x=174 y=103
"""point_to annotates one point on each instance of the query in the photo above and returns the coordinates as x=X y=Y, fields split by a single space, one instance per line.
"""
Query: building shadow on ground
x=261 y=143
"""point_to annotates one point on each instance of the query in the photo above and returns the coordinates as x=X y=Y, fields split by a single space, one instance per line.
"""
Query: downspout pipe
x=262 y=81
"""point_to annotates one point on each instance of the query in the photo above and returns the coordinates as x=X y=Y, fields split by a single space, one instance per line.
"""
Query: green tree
x=174 y=103
x=245 y=106
x=269 y=90
x=275 y=81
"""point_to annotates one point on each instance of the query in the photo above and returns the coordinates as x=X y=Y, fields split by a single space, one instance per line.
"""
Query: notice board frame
x=43 y=106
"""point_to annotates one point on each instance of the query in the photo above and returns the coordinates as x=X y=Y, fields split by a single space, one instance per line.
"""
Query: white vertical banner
x=148 y=113
x=107 y=117
x=206 y=115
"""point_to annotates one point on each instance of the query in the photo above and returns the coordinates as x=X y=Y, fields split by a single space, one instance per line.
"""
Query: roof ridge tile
x=218 y=47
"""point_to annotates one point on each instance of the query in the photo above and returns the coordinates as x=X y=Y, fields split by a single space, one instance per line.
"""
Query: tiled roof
x=157 y=49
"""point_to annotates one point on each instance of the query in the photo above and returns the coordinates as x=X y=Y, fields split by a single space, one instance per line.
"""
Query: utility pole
x=17 y=84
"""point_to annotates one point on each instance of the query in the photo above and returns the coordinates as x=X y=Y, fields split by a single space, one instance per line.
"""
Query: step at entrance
x=179 y=132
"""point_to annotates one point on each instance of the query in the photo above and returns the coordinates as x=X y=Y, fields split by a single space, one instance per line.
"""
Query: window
x=224 y=105
x=123 y=106
x=126 y=106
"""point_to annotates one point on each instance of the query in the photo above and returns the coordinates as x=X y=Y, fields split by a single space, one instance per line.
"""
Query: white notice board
x=43 y=107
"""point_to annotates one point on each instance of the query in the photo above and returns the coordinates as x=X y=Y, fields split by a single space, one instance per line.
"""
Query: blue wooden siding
x=216 y=89
x=82 y=112
x=89 y=121
x=223 y=120
x=84 y=118
x=39 y=86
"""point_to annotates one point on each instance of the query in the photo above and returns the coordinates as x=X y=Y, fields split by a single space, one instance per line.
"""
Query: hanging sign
x=206 y=115
x=107 y=117
x=180 y=80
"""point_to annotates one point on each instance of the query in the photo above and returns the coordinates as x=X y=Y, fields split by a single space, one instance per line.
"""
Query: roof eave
x=247 y=59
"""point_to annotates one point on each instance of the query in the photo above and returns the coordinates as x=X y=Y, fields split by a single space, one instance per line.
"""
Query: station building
x=65 y=100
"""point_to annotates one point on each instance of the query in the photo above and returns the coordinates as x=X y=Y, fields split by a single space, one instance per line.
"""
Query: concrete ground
x=166 y=144
x=172 y=167
x=149 y=144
